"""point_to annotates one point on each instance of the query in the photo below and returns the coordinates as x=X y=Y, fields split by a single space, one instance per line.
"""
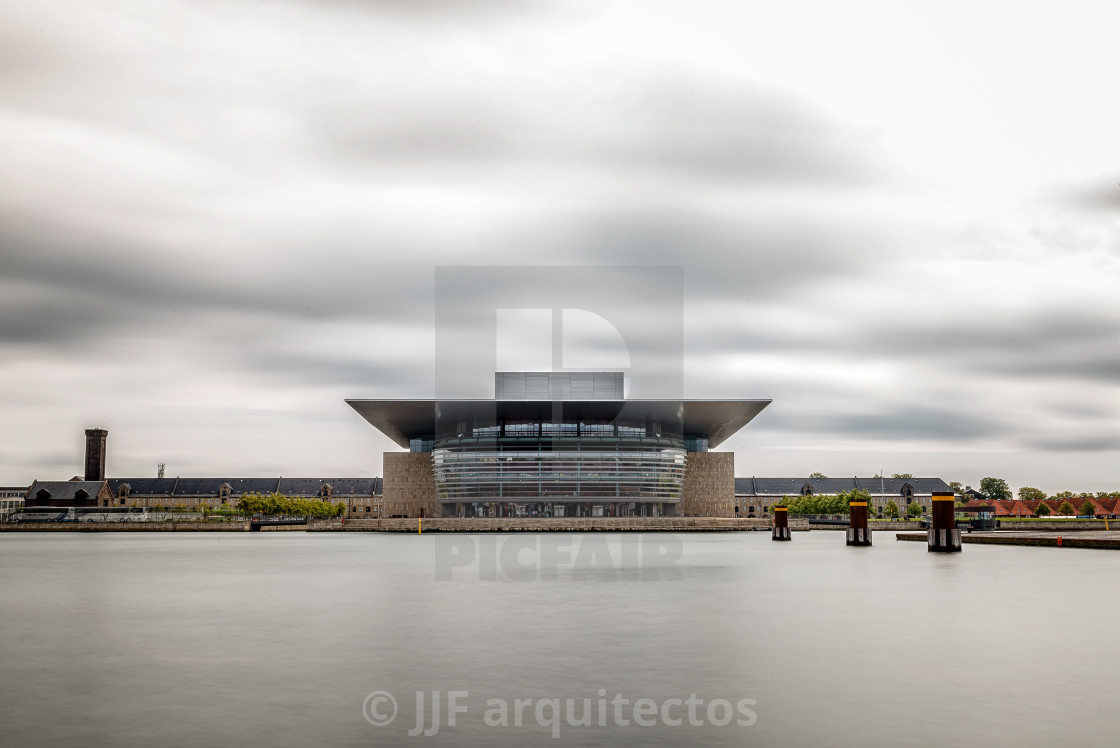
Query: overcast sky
x=901 y=221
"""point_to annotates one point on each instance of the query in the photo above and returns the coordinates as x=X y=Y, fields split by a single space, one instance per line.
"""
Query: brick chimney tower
x=95 y=453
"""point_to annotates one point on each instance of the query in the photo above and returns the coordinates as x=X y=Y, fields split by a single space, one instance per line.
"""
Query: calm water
x=276 y=639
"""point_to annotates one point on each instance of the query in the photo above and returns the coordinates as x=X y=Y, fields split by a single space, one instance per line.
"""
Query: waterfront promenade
x=1100 y=539
x=435 y=524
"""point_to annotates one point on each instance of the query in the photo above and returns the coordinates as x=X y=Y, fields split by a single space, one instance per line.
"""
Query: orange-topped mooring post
x=781 y=524
x=944 y=537
x=858 y=531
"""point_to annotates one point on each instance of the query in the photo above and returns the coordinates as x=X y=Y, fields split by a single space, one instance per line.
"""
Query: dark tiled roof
x=340 y=487
x=143 y=486
x=876 y=486
x=65 y=489
x=213 y=486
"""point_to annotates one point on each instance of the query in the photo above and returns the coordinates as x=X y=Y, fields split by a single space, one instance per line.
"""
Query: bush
x=279 y=504
x=1066 y=509
x=1041 y=510
x=1088 y=508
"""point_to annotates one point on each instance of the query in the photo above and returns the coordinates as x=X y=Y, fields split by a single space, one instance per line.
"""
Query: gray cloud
x=908 y=422
x=1078 y=443
x=1101 y=195
x=438 y=10
x=235 y=218
x=703 y=128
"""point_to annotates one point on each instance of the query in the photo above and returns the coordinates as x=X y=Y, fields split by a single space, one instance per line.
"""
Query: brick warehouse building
x=362 y=496
x=754 y=497
x=559 y=444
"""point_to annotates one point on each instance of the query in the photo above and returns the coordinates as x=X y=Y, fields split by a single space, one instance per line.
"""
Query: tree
x=892 y=509
x=817 y=475
x=1063 y=495
x=1066 y=509
x=1030 y=493
x=1088 y=508
x=1041 y=510
x=995 y=489
x=914 y=510
x=903 y=475
x=955 y=486
x=824 y=504
x=856 y=494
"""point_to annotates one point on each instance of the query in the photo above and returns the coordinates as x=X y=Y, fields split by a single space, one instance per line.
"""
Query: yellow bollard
x=420 y=526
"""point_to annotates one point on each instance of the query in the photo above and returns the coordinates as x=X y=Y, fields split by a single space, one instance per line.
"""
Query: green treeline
x=831 y=504
x=278 y=503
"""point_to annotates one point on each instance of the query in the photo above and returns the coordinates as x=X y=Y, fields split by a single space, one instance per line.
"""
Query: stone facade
x=709 y=485
x=361 y=496
x=410 y=486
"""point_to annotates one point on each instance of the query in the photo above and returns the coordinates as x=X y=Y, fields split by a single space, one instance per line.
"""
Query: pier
x=1108 y=540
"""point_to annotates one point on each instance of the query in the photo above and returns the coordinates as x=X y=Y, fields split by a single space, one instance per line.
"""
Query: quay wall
x=124 y=527
x=1058 y=525
x=872 y=525
x=1101 y=540
x=561 y=524
x=441 y=524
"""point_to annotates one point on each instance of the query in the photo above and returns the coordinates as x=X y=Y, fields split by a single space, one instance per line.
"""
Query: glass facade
x=540 y=467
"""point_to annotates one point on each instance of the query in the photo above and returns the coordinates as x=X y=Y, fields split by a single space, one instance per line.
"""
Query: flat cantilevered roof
x=402 y=420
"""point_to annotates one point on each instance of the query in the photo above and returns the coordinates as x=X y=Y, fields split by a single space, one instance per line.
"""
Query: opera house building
x=559 y=444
